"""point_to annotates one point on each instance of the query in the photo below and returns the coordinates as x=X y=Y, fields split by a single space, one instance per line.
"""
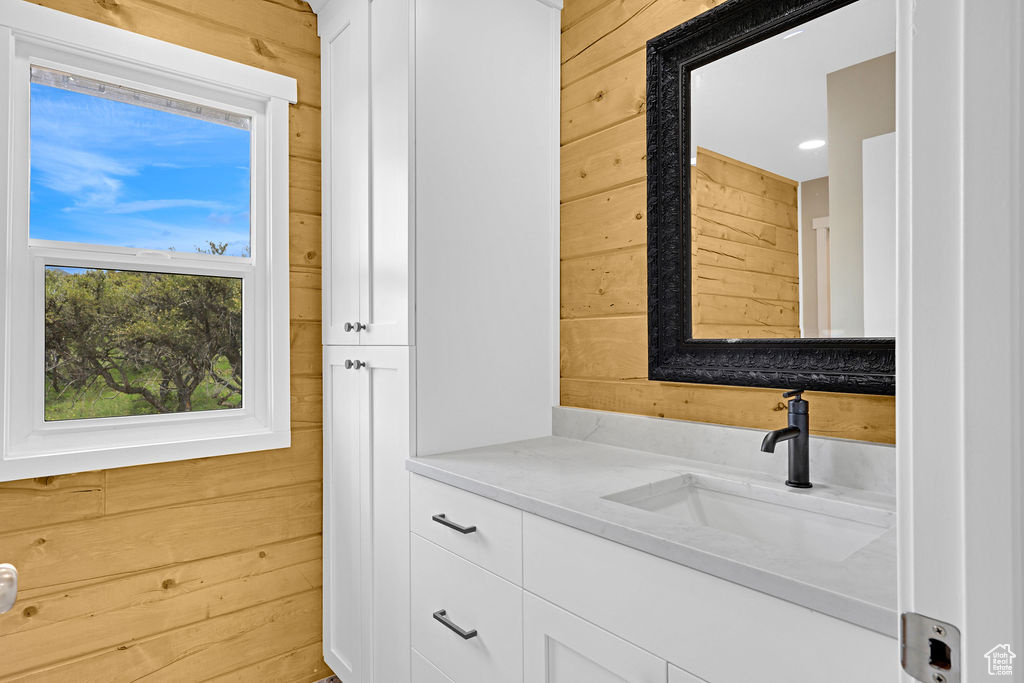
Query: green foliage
x=129 y=343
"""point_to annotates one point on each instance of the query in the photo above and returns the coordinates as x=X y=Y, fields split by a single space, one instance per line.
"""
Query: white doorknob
x=8 y=586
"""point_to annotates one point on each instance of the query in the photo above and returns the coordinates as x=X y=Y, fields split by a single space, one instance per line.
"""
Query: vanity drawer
x=469 y=598
x=425 y=672
x=716 y=630
x=495 y=541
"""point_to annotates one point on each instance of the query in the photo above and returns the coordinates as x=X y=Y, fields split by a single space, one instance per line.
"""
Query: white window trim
x=30 y=447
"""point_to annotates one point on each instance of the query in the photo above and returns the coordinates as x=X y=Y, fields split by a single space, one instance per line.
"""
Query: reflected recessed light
x=812 y=144
x=793 y=34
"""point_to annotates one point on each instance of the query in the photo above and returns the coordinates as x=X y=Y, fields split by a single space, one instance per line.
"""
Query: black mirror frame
x=862 y=366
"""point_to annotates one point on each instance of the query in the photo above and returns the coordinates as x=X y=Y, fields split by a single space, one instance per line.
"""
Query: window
x=145 y=285
x=123 y=342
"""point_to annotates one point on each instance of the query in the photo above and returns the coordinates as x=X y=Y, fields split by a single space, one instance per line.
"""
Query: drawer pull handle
x=442 y=519
x=442 y=616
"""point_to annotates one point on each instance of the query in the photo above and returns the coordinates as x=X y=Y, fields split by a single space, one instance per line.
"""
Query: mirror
x=792 y=183
x=772 y=196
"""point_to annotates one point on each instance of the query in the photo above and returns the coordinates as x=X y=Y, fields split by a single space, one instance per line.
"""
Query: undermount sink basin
x=790 y=521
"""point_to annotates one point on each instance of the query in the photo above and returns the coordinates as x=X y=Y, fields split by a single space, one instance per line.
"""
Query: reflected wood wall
x=746 y=265
x=604 y=238
x=202 y=569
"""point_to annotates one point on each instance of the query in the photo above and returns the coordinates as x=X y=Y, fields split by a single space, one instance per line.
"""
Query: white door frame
x=823 y=256
x=959 y=408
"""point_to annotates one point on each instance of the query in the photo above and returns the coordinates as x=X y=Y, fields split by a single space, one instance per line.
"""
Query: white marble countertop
x=564 y=480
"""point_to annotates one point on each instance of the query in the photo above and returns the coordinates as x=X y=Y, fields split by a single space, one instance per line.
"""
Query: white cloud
x=157 y=204
x=90 y=177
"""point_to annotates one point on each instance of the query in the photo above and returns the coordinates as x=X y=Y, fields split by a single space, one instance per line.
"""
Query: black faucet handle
x=795 y=392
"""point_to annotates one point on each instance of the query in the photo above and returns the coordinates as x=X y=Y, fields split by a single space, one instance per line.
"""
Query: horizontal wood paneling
x=34 y=502
x=166 y=484
x=742 y=229
x=201 y=650
x=605 y=284
x=243 y=40
x=618 y=29
x=737 y=284
x=604 y=348
x=307 y=349
x=90 y=618
x=305 y=301
x=303 y=251
x=93 y=549
x=604 y=98
x=298 y=666
x=607 y=221
x=847 y=416
x=198 y=569
x=751 y=285
x=304 y=129
x=615 y=156
x=603 y=240
x=713 y=195
x=573 y=12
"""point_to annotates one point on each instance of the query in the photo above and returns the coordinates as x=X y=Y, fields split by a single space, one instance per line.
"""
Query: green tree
x=154 y=336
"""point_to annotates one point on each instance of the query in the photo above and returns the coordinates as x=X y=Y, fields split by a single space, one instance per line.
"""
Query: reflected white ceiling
x=757 y=105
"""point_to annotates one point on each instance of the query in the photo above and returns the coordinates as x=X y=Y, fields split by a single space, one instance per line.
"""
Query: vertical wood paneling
x=603 y=241
x=198 y=569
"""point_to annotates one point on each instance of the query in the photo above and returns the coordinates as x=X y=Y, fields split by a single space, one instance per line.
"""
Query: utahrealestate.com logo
x=1000 y=660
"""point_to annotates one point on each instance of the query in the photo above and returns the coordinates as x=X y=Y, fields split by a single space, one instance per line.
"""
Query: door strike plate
x=929 y=649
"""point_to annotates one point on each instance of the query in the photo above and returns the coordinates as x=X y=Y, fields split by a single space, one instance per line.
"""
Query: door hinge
x=929 y=649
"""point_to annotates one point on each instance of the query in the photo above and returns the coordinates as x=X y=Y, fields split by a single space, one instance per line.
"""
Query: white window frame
x=32 y=447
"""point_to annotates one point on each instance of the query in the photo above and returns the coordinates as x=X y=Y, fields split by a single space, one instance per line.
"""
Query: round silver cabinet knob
x=354 y=327
x=8 y=587
x=354 y=364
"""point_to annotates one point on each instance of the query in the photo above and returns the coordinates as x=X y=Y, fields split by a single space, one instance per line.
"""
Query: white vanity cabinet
x=595 y=611
x=467 y=596
x=465 y=620
x=712 y=628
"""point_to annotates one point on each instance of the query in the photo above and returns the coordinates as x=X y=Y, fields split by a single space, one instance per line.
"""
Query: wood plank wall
x=604 y=238
x=201 y=569
x=744 y=250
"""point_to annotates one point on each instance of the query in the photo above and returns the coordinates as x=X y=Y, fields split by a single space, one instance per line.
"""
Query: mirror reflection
x=793 y=182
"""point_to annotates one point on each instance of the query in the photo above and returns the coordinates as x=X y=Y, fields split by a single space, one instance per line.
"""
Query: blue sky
x=106 y=172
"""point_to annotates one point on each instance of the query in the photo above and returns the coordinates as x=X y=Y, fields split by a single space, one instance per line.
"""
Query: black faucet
x=796 y=434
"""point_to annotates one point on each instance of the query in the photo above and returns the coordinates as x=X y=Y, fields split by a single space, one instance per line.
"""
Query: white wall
x=861 y=104
x=880 y=236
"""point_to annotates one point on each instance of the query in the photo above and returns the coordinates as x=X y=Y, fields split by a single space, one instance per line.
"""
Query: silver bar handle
x=442 y=616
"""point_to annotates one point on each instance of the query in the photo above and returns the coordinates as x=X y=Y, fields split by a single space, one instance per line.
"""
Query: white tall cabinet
x=440 y=223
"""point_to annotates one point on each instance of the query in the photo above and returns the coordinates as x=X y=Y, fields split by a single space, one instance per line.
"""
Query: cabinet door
x=367 y=438
x=386 y=291
x=345 y=133
x=367 y=172
x=562 y=648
